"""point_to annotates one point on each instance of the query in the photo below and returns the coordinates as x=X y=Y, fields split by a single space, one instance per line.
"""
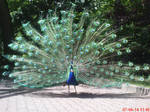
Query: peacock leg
x=75 y=89
x=68 y=89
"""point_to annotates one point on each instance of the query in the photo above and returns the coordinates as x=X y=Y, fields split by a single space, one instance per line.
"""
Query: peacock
x=69 y=50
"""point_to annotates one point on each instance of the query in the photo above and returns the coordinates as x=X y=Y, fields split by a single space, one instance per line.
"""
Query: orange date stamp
x=125 y=109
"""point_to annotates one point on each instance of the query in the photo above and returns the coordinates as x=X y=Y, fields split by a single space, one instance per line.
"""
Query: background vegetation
x=131 y=16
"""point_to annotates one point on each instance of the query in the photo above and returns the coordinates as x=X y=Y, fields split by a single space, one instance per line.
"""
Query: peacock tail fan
x=94 y=48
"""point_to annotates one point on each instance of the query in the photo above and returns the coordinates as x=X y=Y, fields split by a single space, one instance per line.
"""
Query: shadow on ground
x=4 y=93
x=9 y=92
x=86 y=95
x=50 y=93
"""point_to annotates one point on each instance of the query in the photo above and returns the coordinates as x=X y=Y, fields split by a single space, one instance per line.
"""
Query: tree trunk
x=5 y=24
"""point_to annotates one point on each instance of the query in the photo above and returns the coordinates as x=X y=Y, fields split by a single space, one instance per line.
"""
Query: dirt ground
x=57 y=99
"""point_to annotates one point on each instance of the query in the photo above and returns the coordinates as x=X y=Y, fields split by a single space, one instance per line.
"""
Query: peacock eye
x=15 y=47
x=63 y=12
x=116 y=70
x=67 y=37
x=19 y=38
x=111 y=50
x=67 y=46
x=43 y=71
x=54 y=19
x=107 y=25
x=81 y=53
x=98 y=62
x=120 y=63
x=70 y=50
x=86 y=50
x=16 y=64
x=15 y=81
x=146 y=68
x=25 y=25
x=119 y=53
x=47 y=49
x=41 y=21
x=118 y=45
x=43 y=28
x=72 y=41
x=5 y=73
x=31 y=48
x=11 y=45
x=96 y=23
x=97 y=52
x=81 y=30
x=49 y=10
x=75 y=57
x=10 y=75
x=58 y=44
x=111 y=73
x=6 y=66
x=73 y=5
x=107 y=72
x=71 y=15
x=128 y=50
x=50 y=43
x=131 y=77
x=37 y=53
x=58 y=27
x=95 y=68
x=37 y=38
x=111 y=68
x=22 y=46
x=141 y=79
x=75 y=33
x=86 y=14
x=55 y=51
x=67 y=57
x=78 y=38
x=75 y=25
x=102 y=69
x=137 y=68
x=92 y=30
x=126 y=73
x=113 y=36
x=125 y=41
x=22 y=59
x=64 y=30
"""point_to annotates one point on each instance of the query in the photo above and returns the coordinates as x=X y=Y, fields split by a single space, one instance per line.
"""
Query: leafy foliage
x=132 y=16
x=95 y=49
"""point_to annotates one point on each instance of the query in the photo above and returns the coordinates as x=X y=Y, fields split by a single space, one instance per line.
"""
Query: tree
x=5 y=24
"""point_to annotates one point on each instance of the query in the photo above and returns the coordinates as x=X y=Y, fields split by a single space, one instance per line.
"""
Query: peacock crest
x=43 y=59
